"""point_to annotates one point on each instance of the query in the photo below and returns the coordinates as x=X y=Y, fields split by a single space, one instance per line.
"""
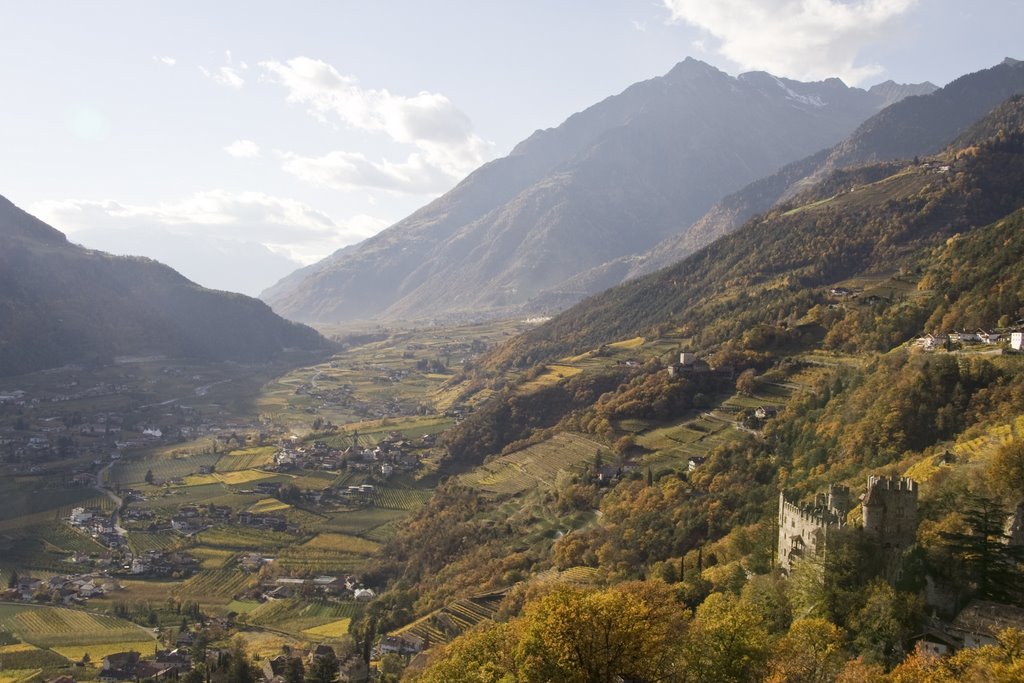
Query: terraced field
x=444 y=625
x=536 y=465
x=400 y=499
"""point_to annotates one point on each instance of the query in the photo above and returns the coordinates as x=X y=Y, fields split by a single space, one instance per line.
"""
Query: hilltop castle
x=888 y=509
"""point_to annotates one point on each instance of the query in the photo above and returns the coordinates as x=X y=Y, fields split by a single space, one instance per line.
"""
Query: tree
x=884 y=623
x=747 y=382
x=240 y=669
x=992 y=565
x=635 y=629
x=294 y=671
x=727 y=642
x=812 y=652
x=12 y=580
x=324 y=669
x=484 y=654
x=149 y=476
x=1006 y=470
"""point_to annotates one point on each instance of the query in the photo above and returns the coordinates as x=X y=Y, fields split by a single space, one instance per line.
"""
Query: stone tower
x=889 y=512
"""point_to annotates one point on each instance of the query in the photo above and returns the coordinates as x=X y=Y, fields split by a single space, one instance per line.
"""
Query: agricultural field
x=443 y=625
x=56 y=627
x=327 y=553
x=28 y=505
x=246 y=458
x=143 y=541
x=134 y=471
x=213 y=586
x=361 y=522
x=212 y=558
x=25 y=656
x=236 y=537
x=534 y=465
x=298 y=616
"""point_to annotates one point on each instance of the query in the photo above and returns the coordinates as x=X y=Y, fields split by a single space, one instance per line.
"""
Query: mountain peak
x=1010 y=61
x=692 y=67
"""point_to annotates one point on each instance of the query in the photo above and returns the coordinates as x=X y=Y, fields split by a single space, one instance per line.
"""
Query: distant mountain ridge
x=872 y=218
x=61 y=303
x=913 y=126
x=611 y=181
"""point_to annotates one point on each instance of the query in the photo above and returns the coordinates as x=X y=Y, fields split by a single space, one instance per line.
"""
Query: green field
x=58 y=627
x=214 y=586
x=134 y=471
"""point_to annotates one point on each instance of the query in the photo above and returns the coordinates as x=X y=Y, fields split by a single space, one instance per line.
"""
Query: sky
x=237 y=141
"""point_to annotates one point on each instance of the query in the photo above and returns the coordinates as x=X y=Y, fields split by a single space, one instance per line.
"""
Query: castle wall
x=802 y=531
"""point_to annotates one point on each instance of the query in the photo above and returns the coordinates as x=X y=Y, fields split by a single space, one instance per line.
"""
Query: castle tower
x=889 y=511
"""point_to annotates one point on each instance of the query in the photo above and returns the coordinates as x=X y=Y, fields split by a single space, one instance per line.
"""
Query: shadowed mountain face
x=61 y=303
x=914 y=126
x=868 y=219
x=610 y=182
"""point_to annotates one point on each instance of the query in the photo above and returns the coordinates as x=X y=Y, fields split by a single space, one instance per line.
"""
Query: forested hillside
x=644 y=558
x=870 y=218
x=61 y=303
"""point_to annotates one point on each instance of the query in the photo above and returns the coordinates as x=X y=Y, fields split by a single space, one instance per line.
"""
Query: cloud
x=242 y=241
x=243 y=149
x=169 y=61
x=227 y=76
x=442 y=134
x=352 y=170
x=639 y=25
x=807 y=39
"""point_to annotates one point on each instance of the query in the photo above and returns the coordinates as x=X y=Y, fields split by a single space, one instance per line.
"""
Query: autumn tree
x=727 y=642
x=573 y=635
x=812 y=652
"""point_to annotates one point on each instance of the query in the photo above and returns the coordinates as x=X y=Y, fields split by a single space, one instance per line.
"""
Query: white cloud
x=227 y=76
x=352 y=170
x=639 y=25
x=807 y=39
x=243 y=149
x=442 y=134
x=242 y=241
x=169 y=61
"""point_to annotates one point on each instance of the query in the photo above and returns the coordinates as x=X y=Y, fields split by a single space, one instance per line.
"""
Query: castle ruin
x=888 y=513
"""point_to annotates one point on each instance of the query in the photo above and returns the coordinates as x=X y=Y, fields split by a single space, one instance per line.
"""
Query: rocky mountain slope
x=611 y=181
x=61 y=303
x=914 y=126
x=853 y=221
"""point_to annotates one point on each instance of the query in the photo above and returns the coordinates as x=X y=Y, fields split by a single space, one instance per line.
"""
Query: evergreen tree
x=992 y=565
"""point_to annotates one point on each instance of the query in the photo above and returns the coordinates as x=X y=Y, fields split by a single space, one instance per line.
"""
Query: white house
x=1016 y=340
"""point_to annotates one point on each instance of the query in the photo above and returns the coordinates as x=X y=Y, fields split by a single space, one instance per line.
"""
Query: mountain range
x=604 y=187
x=61 y=303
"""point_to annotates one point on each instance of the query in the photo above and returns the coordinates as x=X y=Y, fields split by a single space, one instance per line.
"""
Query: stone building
x=888 y=514
x=803 y=528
